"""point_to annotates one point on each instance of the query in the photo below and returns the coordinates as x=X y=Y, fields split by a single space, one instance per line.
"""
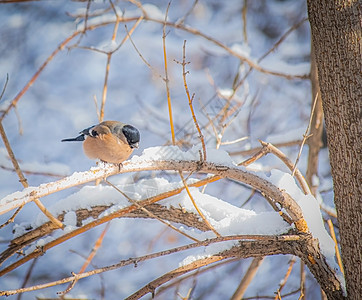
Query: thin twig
x=262 y=152
x=166 y=76
x=285 y=279
x=234 y=141
x=272 y=297
x=182 y=20
x=115 y=29
x=283 y=37
x=256 y=149
x=11 y=154
x=85 y=23
x=190 y=99
x=247 y=279
x=253 y=191
x=105 y=86
x=298 y=175
x=139 y=5
x=195 y=273
x=338 y=254
x=150 y=287
x=12 y=218
x=20 y=125
x=28 y=275
x=97 y=108
x=4 y=87
x=302 y=280
x=305 y=135
x=228 y=109
x=109 y=56
x=90 y=257
x=33 y=172
x=285 y=217
x=244 y=11
x=141 y=56
x=331 y=211
x=196 y=207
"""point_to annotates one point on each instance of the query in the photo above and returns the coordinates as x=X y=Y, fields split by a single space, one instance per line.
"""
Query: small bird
x=109 y=141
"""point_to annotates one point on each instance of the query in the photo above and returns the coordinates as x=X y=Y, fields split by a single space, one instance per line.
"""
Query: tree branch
x=17 y=199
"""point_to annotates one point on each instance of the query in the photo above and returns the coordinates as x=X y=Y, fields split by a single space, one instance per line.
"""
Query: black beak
x=135 y=145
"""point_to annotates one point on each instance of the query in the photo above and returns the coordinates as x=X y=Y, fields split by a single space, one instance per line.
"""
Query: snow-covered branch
x=164 y=158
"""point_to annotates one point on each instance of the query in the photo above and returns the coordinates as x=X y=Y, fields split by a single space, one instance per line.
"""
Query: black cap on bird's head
x=132 y=135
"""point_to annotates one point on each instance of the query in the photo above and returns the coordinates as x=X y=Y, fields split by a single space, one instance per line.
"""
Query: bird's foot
x=120 y=166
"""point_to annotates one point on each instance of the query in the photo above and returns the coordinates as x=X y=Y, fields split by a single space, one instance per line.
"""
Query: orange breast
x=106 y=148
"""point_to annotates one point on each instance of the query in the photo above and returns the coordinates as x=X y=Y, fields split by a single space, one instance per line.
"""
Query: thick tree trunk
x=336 y=37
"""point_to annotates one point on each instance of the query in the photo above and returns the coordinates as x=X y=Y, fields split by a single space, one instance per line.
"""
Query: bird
x=108 y=141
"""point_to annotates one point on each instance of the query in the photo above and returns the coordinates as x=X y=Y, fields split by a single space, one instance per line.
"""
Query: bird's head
x=132 y=135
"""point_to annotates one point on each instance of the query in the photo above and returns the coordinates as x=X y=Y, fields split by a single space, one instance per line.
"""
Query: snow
x=70 y=219
x=315 y=180
x=175 y=153
x=311 y=212
x=108 y=46
x=241 y=49
x=10 y=199
x=39 y=244
x=153 y=12
x=227 y=220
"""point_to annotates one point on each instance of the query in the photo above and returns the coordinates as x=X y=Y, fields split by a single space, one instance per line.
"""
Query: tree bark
x=336 y=37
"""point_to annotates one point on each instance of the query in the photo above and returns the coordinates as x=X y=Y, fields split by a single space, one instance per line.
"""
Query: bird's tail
x=79 y=138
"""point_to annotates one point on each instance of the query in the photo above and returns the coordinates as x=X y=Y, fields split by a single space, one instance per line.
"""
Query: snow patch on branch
x=175 y=153
x=311 y=213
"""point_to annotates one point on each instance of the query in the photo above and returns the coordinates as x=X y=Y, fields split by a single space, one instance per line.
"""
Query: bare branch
x=184 y=73
x=284 y=280
x=289 y=164
x=247 y=279
x=166 y=77
x=88 y=260
x=338 y=254
x=301 y=248
x=196 y=207
x=283 y=37
x=305 y=135
x=248 y=244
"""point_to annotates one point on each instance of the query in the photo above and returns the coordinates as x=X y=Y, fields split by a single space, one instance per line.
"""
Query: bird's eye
x=94 y=133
